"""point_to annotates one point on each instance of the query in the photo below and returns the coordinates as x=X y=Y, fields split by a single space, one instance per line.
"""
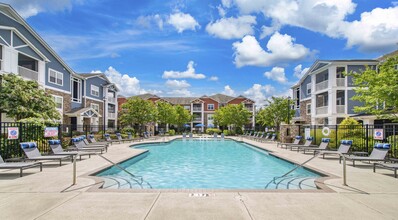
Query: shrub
x=128 y=130
x=229 y=133
x=172 y=132
x=213 y=130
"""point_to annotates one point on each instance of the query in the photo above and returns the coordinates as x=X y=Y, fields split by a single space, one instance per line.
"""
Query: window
x=55 y=77
x=59 y=101
x=210 y=106
x=94 y=90
x=95 y=107
x=76 y=90
x=308 y=109
x=187 y=107
x=309 y=89
x=340 y=72
x=27 y=62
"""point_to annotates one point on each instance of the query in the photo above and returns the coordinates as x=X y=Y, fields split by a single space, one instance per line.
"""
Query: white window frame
x=95 y=89
x=309 y=85
x=62 y=101
x=58 y=75
x=96 y=109
x=208 y=107
x=308 y=107
x=79 y=89
x=187 y=107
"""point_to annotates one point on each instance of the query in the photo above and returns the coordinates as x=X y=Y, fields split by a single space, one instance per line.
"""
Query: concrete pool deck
x=50 y=195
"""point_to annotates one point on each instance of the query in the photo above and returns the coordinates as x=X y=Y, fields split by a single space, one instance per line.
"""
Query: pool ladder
x=138 y=179
x=290 y=171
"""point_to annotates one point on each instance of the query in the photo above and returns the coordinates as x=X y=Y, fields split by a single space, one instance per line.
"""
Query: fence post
x=367 y=137
x=60 y=133
x=336 y=141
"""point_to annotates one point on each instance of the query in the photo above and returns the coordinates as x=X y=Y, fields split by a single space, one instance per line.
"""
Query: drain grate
x=199 y=195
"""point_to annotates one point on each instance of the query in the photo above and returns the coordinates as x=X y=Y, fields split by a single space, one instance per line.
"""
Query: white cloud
x=149 y=20
x=33 y=7
x=232 y=28
x=259 y=93
x=228 y=91
x=299 y=72
x=177 y=84
x=189 y=73
x=276 y=74
x=128 y=85
x=183 y=22
x=213 y=78
x=281 y=49
x=180 y=92
x=269 y=30
x=375 y=31
x=221 y=11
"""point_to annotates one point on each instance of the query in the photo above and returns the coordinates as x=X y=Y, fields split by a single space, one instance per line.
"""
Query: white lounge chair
x=323 y=146
x=79 y=146
x=389 y=166
x=32 y=153
x=57 y=149
x=378 y=154
x=92 y=139
x=296 y=141
x=307 y=143
x=19 y=165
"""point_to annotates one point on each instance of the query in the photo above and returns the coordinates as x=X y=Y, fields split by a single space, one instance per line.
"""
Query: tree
x=182 y=116
x=233 y=116
x=139 y=112
x=166 y=113
x=21 y=99
x=377 y=89
x=276 y=112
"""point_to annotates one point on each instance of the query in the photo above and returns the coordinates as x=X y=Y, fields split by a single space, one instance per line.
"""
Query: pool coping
x=319 y=182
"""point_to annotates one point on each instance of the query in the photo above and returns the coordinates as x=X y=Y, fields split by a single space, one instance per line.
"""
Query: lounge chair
x=272 y=139
x=32 y=153
x=222 y=136
x=378 y=154
x=79 y=146
x=19 y=165
x=265 y=137
x=344 y=147
x=323 y=146
x=92 y=139
x=307 y=143
x=88 y=144
x=296 y=141
x=119 y=137
x=389 y=166
x=57 y=149
x=190 y=135
x=109 y=140
x=259 y=136
x=215 y=136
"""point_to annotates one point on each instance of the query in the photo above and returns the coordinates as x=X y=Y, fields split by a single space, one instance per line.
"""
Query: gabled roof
x=145 y=96
x=221 y=98
x=9 y=11
x=179 y=100
x=99 y=75
x=386 y=56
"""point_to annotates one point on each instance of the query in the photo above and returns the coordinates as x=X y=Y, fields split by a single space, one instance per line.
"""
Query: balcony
x=111 y=115
x=197 y=119
x=322 y=85
x=340 y=81
x=112 y=99
x=28 y=74
x=322 y=110
x=340 y=109
x=197 y=109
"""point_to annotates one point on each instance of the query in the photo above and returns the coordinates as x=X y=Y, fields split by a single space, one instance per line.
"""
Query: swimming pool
x=193 y=164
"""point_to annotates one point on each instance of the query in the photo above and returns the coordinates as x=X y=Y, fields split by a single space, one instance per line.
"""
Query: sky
x=254 y=48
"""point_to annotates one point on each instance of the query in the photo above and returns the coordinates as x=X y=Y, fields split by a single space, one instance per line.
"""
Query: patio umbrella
x=210 y=126
x=187 y=126
x=199 y=125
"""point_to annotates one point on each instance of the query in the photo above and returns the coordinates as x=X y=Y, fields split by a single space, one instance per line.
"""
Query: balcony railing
x=111 y=115
x=322 y=110
x=28 y=74
x=197 y=119
x=340 y=81
x=197 y=109
x=340 y=109
x=322 y=85
x=112 y=99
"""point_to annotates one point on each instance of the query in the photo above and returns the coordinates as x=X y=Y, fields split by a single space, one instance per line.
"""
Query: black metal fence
x=364 y=136
x=27 y=132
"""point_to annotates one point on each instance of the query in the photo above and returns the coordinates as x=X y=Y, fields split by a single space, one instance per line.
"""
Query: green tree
x=21 y=99
x=138 y=112
x=377 y=89
x=166 y=113
x=182 y=116
x=233 y=116
x=276 y=112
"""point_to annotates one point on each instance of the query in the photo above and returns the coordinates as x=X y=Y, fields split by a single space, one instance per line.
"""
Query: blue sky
x=255 y=48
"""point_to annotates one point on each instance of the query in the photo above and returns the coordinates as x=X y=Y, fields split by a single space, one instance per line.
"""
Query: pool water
x=193 y=164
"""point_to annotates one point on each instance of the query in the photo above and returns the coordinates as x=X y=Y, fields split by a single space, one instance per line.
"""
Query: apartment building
x=80 y=98
x=323 y=95
x=202 y=108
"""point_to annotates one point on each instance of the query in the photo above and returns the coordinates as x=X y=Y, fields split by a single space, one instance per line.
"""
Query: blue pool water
x=189 y=164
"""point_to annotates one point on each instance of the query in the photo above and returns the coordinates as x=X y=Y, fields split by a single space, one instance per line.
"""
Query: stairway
x=291 y=182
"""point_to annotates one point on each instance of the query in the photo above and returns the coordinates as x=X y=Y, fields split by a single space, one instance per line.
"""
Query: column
x=203 y=116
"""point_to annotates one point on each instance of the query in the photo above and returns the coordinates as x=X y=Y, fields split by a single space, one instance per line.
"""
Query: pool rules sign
x=13 y=133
